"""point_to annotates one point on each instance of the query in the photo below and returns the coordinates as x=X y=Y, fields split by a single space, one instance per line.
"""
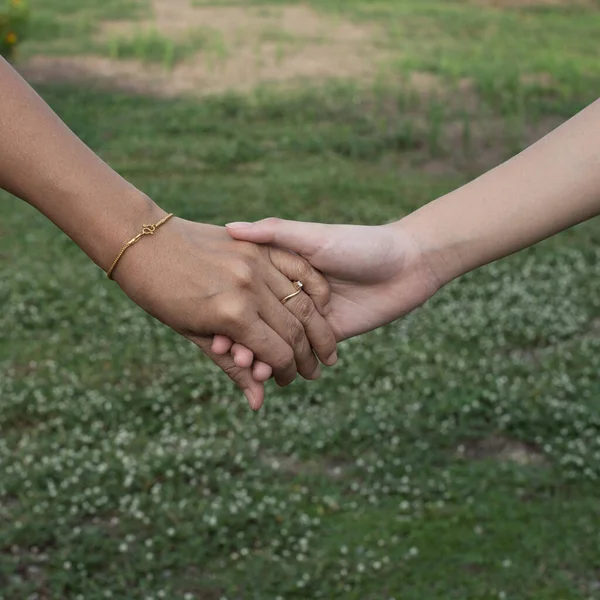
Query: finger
x=303 y=238
x=291 y=330
x=318 y=331
x=308 y=309
x=261 y=371
x=267 y=343
x=304 y=306
x=296 y=268
x=242 y=356
x=221 y=344
x=254 y=390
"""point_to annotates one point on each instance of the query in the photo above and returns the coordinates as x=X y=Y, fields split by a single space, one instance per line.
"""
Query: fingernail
x=238 y=225
x=251 y=399
x=316 y=373
x=332 y=360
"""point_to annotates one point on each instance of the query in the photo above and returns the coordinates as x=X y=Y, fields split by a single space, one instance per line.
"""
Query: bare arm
x=549 y=187
x=43 y=162
x=190 y=276
x=378 y=274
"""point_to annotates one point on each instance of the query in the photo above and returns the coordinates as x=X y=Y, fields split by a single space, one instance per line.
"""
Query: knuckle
x=243 y=273
x=321 y=286
x=272 y=221
x=234 y=312
x=297 y=334
x=303 y=267
x=251 y=251
x=228 y=367
x=233 y=372
x=330 y=342
x=285 y=359
x=303 y=308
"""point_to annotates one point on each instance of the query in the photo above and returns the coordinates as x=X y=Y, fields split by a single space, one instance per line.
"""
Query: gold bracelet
x=146 y=230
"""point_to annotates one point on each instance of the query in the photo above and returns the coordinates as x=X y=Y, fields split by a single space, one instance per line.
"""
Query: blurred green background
x=453 y=455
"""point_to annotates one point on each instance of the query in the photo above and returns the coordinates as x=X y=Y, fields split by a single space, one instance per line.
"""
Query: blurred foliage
x=14 y=18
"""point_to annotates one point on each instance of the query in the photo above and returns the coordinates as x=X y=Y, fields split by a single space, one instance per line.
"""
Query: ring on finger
x=297 y=287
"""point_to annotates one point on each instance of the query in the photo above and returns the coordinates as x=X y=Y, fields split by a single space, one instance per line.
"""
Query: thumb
x=305 y=239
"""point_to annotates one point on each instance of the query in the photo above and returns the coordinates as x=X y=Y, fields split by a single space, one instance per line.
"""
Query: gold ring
x=298 y=287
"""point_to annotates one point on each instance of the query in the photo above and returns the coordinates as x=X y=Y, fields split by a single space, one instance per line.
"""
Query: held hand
x=376 y=274
x=249 y=380
x=200 y=282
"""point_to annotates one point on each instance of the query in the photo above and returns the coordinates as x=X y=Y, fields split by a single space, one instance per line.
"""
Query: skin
x=193 y=277
x=379 y=274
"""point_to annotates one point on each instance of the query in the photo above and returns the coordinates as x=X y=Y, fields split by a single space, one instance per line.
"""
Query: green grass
x=61 y=27
x=129 y=466
x=150 y=46
x=133 y=462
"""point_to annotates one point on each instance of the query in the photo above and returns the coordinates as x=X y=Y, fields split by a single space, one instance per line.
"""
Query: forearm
x=45 y=164
x=549 y=187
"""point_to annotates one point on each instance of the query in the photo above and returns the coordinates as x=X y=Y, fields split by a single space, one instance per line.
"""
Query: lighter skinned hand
x=376 y=274
x=199 y=281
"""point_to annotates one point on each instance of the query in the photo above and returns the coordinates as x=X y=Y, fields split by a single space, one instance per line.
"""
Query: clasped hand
x=199 y=281
x=375 y=274
x=231 y=307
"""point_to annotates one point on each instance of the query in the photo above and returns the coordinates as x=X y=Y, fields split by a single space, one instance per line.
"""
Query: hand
x=376 y=274
x=200 y=282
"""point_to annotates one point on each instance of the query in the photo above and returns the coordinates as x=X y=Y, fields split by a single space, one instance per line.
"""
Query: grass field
x=452 y=456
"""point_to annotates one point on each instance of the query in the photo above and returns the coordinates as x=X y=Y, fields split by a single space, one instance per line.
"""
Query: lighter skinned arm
x=547 y=188
x=379 y=274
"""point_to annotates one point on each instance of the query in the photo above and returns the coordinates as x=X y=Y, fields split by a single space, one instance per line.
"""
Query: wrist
x=120 y=220
x=437 y=254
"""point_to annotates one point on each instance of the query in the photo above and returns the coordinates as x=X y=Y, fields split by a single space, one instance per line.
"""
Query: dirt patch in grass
x=502 y=449
x=248 y=46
